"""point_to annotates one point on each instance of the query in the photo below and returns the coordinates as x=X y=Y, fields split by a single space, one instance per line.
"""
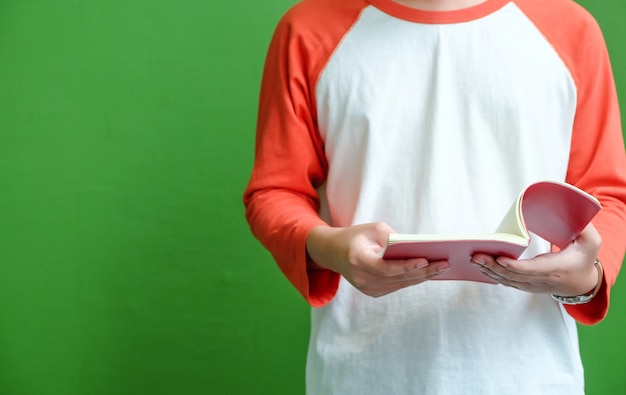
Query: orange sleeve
x=597 y=159
x=598 y=163
x=281 y=200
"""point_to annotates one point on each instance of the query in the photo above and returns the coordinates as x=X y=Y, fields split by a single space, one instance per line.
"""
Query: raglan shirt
x=433 y=121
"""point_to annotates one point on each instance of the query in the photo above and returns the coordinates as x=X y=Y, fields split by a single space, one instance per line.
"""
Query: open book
x=555 y=211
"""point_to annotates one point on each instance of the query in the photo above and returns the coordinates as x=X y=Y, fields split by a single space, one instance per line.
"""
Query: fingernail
x=478 y=262
x=443 y=267
x=502 y=263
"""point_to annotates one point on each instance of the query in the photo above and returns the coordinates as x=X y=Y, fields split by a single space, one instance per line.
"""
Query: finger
x=375 y=281
x=491 y=268
x=485 y=264
x=524 y=282
x=487 y=272
x=397 y=267
x=521 y=284
x=538 y=269
x=393 y=284
x=432 y=269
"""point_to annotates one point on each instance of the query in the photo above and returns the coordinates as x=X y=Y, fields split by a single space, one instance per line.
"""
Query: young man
x=429 y=116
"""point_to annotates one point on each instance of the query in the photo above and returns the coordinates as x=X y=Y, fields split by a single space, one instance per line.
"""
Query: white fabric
x=436 y=128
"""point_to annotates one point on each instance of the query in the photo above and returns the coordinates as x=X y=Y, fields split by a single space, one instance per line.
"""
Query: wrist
x=317 y=248
x=587 y=297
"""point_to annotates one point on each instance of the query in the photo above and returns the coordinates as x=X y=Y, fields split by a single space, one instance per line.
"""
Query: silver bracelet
x=586 y=298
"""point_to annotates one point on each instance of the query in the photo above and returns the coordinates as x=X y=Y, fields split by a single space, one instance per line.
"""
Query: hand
x=569 y=272
x=354 y=252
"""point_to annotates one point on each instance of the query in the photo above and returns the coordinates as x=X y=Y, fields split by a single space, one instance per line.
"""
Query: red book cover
x=555 y=211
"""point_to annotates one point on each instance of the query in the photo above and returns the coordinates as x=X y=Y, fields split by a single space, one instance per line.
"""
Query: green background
x=126 y=266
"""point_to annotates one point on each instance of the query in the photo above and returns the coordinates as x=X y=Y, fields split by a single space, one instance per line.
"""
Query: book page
x=513 y=221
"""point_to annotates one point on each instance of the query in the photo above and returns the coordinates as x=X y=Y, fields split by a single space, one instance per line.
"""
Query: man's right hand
x=355 y=253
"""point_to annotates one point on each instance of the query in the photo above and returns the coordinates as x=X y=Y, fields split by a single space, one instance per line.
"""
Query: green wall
x=126 y=266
